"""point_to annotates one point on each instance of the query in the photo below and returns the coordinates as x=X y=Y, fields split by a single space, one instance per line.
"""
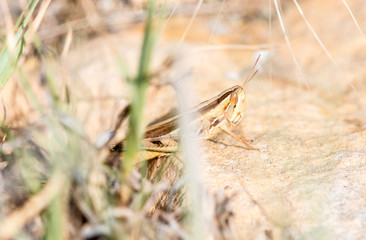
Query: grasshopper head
x=237 y=104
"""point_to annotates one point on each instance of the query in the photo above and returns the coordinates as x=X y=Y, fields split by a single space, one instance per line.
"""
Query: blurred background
x=306 y=107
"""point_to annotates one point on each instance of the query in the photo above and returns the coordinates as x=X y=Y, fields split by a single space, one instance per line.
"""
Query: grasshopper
x=220 y=113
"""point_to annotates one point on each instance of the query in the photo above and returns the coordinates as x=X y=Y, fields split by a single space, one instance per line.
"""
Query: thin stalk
x=138 y=89
x=9 y=57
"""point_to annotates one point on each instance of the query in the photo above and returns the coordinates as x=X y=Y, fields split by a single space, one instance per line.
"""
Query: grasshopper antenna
x=250 y=76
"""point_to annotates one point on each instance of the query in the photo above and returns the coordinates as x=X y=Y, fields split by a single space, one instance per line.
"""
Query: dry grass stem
x=13 y=223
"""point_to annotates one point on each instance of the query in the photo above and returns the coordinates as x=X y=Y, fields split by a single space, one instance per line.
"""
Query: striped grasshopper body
x=220 y=113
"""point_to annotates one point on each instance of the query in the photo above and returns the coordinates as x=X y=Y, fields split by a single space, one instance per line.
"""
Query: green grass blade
x=8 y=58
x=138 y=88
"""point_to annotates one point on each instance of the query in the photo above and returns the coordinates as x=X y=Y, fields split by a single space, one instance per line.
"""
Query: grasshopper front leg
x=240 y=139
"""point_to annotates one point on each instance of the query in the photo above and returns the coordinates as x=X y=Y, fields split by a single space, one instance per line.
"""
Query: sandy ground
x=308 y=180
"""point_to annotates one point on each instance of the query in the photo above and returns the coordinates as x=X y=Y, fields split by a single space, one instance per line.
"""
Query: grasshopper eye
x=234 y=98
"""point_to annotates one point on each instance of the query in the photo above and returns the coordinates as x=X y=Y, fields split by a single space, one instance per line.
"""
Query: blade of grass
x=138 y=89
x=9 y=57
x=287 y=39
x=54 y=220
x=353 y=17
x=194 y=167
